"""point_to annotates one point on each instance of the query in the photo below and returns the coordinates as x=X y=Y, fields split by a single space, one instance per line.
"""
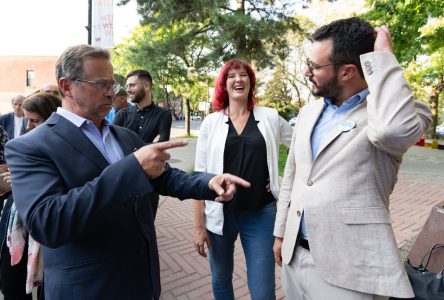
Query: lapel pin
x=347 y=125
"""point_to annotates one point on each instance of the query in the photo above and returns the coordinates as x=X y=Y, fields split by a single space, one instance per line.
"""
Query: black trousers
x=13 y=278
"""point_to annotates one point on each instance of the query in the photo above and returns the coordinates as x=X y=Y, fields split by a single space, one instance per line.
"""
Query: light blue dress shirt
x=329 y=118
x=104 y=141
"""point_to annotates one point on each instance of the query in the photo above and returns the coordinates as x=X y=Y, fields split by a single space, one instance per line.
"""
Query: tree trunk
x=434 y=104
x=187 y=116
x=241 y=42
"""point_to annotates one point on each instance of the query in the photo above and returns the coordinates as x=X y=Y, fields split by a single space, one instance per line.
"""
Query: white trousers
x=301 y=281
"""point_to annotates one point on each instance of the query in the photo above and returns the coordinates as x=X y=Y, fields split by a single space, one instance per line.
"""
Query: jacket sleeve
x=286 y=132
x=395 y=120
x=283 y=202
x=179 y=184
x=200 y=163
x=55 y=213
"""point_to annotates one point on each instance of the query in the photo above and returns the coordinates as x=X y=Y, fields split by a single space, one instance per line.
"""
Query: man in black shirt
x=144 y=118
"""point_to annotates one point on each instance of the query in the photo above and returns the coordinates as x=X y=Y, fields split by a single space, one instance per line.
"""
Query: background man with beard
x=144 y=118
x=333 y=230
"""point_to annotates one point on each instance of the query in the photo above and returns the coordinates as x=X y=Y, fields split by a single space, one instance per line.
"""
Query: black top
x=147 y=122
x=245 y=155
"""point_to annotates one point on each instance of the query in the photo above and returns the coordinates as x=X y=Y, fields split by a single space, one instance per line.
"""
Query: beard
x=138 y=96
x=330 y=89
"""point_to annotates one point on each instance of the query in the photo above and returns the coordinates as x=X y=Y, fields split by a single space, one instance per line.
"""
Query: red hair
x=220 y=99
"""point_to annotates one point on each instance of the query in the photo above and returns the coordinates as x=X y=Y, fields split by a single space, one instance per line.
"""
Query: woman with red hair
x=241 y=138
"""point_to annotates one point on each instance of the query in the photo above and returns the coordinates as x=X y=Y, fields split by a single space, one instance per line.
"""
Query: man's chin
x=315 y=92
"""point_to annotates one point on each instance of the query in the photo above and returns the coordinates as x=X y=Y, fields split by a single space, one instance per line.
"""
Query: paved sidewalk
x=186 y=275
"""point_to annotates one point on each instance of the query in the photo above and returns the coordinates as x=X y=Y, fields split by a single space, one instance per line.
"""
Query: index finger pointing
x=170 y=144
x=237 y=180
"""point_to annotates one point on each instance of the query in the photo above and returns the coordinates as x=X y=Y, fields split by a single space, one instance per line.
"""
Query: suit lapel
x=311 y=117
x=77 y=139
x=355 y=115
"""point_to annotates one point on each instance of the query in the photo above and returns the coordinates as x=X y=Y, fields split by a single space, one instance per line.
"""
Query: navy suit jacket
x=93 y=219
x=7 y=121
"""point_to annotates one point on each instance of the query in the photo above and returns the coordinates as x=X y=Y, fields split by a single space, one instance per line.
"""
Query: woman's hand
x=267 y=187
x=200 y=239
x=277 y=249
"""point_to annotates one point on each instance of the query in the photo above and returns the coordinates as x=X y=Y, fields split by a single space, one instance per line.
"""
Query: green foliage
x=417 y=27
x=283 y=153
x=277 y=94
x=171 y=62
x=405 y=19
x=251 y=30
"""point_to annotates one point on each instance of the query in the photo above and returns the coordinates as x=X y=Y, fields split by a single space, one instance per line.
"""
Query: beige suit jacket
x=345 y=191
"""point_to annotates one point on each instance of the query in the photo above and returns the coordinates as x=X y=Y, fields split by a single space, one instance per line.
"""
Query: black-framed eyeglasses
x=311 y=67
x=104 y=85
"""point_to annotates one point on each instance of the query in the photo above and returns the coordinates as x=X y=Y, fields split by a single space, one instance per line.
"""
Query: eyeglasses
x=133 y=84
x=311 y=68
x=104 y=85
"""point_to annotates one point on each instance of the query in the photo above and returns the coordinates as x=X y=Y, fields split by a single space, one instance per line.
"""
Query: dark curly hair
x=350 y=38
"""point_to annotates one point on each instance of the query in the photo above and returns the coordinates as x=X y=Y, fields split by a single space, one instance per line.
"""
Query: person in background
x=12 y=122
x=87 y=191
x=333 y=231
x=50 y=88
x=39 y=107
x=46 y=88
x=119 y=102
x=144 y=118
x=241 y=138
x=20 y=265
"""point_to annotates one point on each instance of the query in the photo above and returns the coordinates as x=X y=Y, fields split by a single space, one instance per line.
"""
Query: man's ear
x=66 y=85
x=348 y=72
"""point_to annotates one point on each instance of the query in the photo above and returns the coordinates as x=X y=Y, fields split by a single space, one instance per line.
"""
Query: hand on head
x=383 y=39
x=152 y=157
x=225 y=186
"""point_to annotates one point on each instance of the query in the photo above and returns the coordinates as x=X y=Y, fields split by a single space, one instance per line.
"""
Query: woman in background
x=21 y=267
x=243 y=139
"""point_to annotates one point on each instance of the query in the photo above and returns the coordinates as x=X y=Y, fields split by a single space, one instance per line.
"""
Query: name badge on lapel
x=347 y=125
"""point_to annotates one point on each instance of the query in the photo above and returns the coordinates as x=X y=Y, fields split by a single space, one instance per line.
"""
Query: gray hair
x=70 y=63
x=17 y=98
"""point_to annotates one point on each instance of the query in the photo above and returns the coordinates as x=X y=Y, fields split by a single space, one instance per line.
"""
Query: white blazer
x=344 y=192
x=210 y=153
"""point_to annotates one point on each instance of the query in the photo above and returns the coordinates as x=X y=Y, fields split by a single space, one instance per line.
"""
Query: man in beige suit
x=333 y=230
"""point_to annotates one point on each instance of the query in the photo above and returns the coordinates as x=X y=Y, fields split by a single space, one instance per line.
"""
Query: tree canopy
x=253 y=30
x=417 y=27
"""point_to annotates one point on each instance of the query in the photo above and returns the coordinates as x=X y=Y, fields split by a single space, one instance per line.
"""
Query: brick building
x=23 y=75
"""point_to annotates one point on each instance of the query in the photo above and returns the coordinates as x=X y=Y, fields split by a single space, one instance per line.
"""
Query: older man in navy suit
x=82 y=187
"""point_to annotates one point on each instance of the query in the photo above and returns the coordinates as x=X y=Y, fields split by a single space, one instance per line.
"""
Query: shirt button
x=298 y=213
x=309 y=183
x=141 y=117
x=140 y=127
